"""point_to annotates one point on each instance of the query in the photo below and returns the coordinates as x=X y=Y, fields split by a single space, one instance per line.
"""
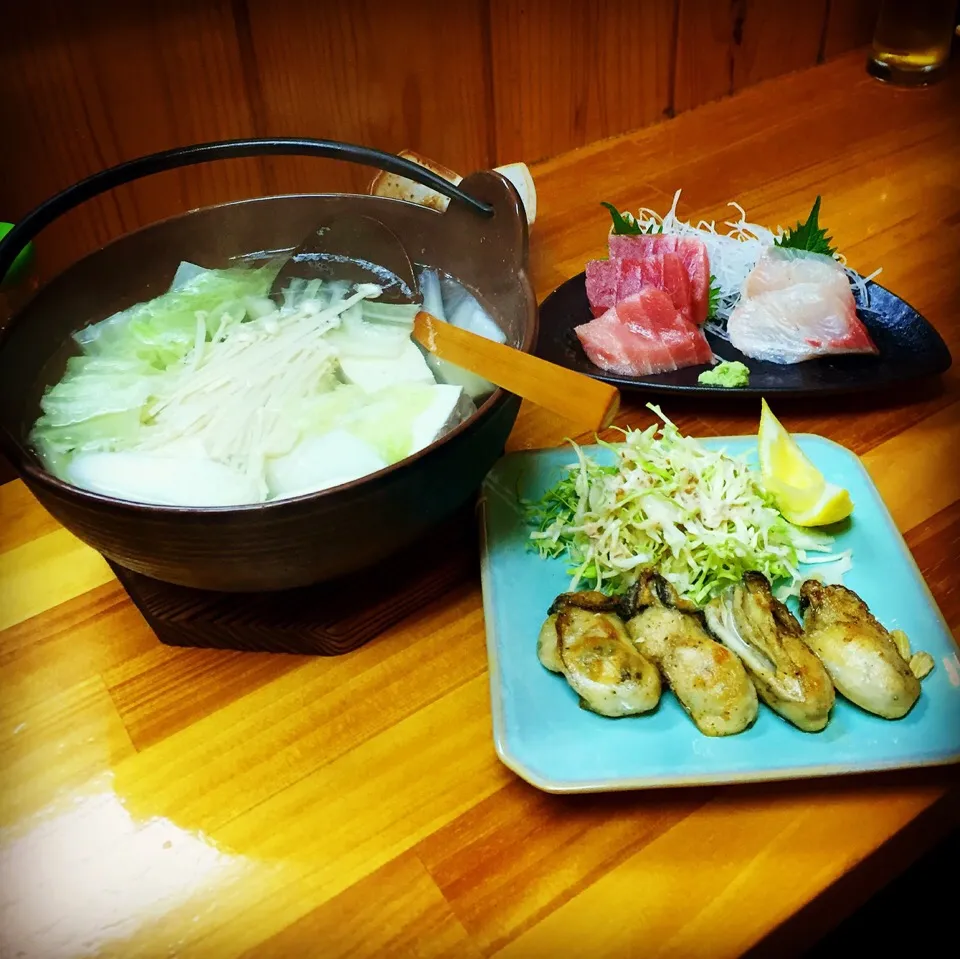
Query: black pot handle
x=48 y=211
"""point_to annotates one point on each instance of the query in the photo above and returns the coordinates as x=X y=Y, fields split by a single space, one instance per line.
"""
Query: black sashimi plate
x=910 y=349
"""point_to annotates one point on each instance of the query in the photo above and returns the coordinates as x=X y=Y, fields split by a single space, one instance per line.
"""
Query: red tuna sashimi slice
x=692 y=253
x=637 y=246
x=602 y=281
x=652 y=311
x=665 y=271
x=643 y=334
x=632 y=278
x=616 y=348
x=609 y=282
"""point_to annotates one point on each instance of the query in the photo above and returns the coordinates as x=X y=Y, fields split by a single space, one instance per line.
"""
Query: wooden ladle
x=361 y=249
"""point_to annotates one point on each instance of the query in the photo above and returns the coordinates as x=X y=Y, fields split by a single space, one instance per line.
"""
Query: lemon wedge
x=802 y=493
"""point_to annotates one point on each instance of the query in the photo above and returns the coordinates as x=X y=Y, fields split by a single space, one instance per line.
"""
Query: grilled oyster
x=864 y=661
x=789 y=677
x=708 y=680
x=600 y=663
x=548 y=650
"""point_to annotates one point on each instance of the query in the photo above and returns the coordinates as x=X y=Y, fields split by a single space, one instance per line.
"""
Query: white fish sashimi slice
x=780 y=268
x=798 y=323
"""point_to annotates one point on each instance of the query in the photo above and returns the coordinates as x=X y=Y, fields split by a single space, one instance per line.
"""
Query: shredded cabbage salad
x=700 y=516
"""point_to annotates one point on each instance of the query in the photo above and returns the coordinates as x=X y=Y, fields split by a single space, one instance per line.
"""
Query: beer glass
x=911 y=43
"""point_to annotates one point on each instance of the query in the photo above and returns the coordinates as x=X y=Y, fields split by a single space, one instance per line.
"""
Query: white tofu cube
x=320 y=462
x=372 y=374
x=449 y=407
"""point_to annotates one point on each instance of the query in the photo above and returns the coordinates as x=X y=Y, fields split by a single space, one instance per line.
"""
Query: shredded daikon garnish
x=733 y=252
x=859 y=283
x=733 y=248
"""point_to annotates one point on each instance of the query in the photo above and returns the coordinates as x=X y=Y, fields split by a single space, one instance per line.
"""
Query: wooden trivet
x=326 y=619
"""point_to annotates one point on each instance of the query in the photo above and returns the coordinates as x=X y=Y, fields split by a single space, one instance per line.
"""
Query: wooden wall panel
x=726 y=45
x=850 y=24
x=385 y=74
x=705 y=53
x=162 y=75
x=566 y=72
x=777 y=38
x=86 y=85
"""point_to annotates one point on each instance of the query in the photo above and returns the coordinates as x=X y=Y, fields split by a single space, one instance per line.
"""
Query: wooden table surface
x=162 y=802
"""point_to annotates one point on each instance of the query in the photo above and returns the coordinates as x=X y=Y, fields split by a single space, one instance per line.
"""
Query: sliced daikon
x=445 y=371
x=159 y=479
x=355 y=337
x=391 y=314
x=463 y=310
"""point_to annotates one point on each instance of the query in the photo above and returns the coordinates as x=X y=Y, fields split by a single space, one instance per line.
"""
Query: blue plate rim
x=779 y=774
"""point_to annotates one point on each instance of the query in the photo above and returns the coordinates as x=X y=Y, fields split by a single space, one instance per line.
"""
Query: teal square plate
x=541 y=733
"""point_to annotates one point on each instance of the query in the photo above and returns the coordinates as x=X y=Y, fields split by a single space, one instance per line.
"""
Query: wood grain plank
x=386 y=75
x=304 y=720
x=164 y=689
x=23 y=519
x=690 y=883
x=45 y=572
x=396 y=911
x=91 y=85
x=379 y=800
x=705 y=52
x=567 y=73
x=777 y=38
x=935 y=545
x=725 y=46
x=850 y=25
x=800 y=164
x=84 y=875
x=915 y=471
x=44 y=112
x=58 y=744
x=72 y=642
x=520 y=853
